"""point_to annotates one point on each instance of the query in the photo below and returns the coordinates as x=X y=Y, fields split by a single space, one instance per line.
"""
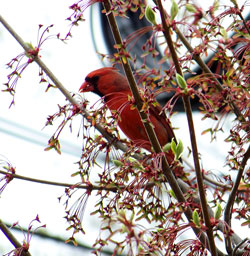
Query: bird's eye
x=92 y=80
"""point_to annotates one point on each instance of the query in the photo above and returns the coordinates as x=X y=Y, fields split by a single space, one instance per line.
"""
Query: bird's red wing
x=160 y=116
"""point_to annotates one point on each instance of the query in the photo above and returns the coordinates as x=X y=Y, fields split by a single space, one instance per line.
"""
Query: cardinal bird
x=114 y=88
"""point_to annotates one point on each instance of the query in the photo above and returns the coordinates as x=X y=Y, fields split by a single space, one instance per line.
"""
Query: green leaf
x=171 y=192
x=218 y=211
x=174 y=10
x=173 y=146
x=166 y=147
x=223 y=33
x=117 y=163
x=179 y=149
x=191 y=8
x=196 y=218
x=150 y=15
x=181 y=81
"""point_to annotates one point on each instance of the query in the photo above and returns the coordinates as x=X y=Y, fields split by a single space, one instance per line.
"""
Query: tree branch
x=58 y=239
x=12 y=239
x=187 y=105
x=59 y=184
x=150 y=131
x=232 y=196
x=206 y=69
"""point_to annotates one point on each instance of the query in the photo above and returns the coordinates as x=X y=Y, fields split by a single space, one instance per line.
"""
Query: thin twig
x=207 y=178
x=231 y=198
x=58 y=239
x=217 y=183
x=12 y=239
x=238 y=246
x=187 y=105
x=150 y=131
x=241 y=17
x=206 y=69
x=60 y=184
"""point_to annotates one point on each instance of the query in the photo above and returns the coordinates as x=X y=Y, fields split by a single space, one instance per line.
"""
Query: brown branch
x=60 y=184
x=150 y=131
x=186 y=101
x=12 y=239
x=241 y=17
x=187 y=105
x=232 y=196
x=57 y=239
x=206 y=69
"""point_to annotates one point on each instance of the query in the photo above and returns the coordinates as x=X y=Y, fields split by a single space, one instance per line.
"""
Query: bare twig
x=150 y=131
x=231 y=198
x=206 y=69
x=187 y=105
x=12 y=239
x=55 y=238
x=60 y=184
x=241 y=16
x=238 y=246
x=217 y=183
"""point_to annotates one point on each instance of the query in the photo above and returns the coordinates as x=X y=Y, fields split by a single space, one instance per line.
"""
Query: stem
x=187 y=105
x=201 y=63
x=59 y=184
x=241 y=17
x=150 y=131
x=58 y=239
x=238 y=246
x=207 y=70
x=232 y=196
x=12 y=239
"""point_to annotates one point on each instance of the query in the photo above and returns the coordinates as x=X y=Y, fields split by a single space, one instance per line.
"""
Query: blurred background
x=23 y=135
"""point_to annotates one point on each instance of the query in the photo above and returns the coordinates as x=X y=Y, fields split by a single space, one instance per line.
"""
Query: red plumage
x=114 y=88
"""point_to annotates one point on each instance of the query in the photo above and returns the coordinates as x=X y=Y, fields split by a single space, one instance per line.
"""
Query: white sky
x=70 y=62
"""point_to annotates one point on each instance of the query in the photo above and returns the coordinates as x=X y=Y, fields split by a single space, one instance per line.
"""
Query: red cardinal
x=114 y=88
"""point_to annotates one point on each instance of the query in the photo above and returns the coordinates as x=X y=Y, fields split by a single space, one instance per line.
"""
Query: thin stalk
x=207 y=70
x=12 y=239
x=232 y=196
x=187 y=105
x=59 y=184
x=150 y=131
x=241 y=17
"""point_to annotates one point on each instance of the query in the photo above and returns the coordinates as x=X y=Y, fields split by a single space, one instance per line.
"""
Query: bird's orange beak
x=86 y=87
